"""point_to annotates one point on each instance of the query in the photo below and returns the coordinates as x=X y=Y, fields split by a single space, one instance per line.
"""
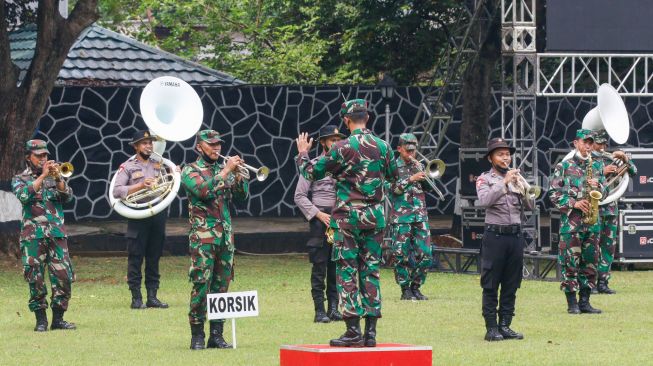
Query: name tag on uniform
x=137 y=174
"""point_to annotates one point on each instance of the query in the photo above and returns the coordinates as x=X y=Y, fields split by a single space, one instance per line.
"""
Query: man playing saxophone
x=571 y=185
x=609 y=212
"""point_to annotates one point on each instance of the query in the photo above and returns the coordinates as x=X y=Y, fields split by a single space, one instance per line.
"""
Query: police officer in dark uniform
x=145 y=237
x=502 y=251
x=317 y=211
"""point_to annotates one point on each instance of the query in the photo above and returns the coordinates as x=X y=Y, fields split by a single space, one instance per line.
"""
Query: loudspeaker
x=472 y=164
x=640 y=188
x=636 y=236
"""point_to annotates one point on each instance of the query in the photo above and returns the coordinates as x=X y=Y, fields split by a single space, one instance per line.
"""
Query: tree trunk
x=477 y=86
x=21 y=106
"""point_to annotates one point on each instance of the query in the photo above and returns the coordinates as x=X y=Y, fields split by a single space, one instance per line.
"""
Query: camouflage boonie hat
x=584 y=133
x=209 y=136
x=353 y=107
x=37 y=147
x=601 y=136
x=408 y=141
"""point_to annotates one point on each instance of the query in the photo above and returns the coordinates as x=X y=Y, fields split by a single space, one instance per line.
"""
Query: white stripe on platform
x=357 y=349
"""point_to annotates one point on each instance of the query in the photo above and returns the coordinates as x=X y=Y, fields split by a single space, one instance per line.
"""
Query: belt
x=504 y=229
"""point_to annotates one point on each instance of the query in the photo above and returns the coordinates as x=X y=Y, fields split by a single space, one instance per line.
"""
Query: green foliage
x=293 y=41
x=109 y=333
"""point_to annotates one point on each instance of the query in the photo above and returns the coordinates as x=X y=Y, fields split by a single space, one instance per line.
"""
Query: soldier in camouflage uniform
x=579 y=242
x=42 y=192
x=609 y=212
x=210 y=188
x=411 y=237
x=360 y=164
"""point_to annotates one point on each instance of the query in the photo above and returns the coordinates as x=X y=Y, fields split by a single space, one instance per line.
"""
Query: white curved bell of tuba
x=172 y=111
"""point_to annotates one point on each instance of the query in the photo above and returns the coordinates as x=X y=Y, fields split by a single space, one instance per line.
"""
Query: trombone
x=434 y=170
x=244 y=169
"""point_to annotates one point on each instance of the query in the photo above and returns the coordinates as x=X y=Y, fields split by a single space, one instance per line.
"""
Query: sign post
x=232 y=305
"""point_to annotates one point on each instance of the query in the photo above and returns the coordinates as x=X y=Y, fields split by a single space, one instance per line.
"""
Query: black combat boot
x=572 y=303
x=137 y=299
x=320 y=314
x=216 y=340
x=417 y=293
x=603 y=288
x=504 y=328
x=58 y=322
x=407 y=294
x=152 y=301
x=584 y=303
x=492 y=334
x=41 y=320
x=197 y=336
x=370 y=331
x=333 y=312
x=352 y=336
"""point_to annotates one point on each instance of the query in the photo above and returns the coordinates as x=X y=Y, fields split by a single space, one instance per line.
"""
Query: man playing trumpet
x=503 y=192
x=145 y=237
x=42 y=191
x=569 y=191
x=210 y=188
x=609 y=212
x=411 y=237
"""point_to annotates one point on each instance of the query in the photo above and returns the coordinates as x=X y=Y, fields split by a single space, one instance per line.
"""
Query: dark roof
x=103 y=57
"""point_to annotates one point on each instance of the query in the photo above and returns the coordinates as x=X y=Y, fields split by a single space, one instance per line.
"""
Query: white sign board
x=232 y=305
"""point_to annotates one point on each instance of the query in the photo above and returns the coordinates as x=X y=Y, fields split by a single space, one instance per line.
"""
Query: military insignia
x=479 y=182
x=146 y=134
x=335 y=130
x=137 y=174
x=157 y=166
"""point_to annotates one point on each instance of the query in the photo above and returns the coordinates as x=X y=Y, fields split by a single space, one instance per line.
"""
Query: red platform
x=384 y=354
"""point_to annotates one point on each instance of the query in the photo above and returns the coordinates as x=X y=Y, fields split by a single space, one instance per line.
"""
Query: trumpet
x=244 y=169
x=523 y=188
x=62 y=170
x=434 y=170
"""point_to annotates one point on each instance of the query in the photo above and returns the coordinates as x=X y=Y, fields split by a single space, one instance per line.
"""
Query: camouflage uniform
x=43 y=236
x=411 y=244
x=211 y=236
x=609 y=214
x=360 y=164
x=578 y=248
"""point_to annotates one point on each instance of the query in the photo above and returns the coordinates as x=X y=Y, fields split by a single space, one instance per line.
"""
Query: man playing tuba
x=608 y=213
x=569 y=191
x=145 y=237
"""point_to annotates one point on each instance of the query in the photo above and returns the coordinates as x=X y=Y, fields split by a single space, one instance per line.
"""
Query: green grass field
x=109 y=333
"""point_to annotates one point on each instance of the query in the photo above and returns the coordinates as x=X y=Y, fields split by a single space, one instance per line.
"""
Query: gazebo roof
x=101 y=57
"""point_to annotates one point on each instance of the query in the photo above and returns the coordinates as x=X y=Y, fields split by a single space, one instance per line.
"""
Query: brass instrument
x=62 y=170
x=523 y=188
x=434 y=170
x=161 y=187
x=244 y=169
x=329 y=234
x=621 y=168
x=593 y=196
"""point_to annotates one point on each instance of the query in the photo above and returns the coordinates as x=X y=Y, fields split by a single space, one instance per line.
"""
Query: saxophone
x=593 y=196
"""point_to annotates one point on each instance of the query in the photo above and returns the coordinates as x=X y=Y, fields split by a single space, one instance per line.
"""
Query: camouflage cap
x=37 y=147
x=353 y=107
x=601 y=136
x=584 y=133
x=209 y=136
x=408 y=141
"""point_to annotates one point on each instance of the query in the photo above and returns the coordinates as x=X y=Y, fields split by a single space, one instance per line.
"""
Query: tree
x=21 y=105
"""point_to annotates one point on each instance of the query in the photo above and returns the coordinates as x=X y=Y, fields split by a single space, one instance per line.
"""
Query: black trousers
x=502 y=262
x=323 y=272
x=145 y=238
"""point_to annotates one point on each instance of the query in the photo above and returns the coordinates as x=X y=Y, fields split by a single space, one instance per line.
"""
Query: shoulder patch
x=479 y=181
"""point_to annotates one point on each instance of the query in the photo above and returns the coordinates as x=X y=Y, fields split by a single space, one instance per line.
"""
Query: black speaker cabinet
x=473 y=226
x=472 y=164
x=640 y=188
x=554 y=231
x=636 y=236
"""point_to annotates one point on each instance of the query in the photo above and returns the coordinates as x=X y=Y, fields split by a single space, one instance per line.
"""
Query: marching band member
x=579 y=241
x=502 y=251
x=360 y=164
x=145 y=237
x=609 y=213
x=411 y=237
x=317 y=211
x=210 y=188
x=43 y=240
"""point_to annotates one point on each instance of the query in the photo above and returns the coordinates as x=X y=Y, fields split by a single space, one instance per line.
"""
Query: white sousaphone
x=172 y=111
x=611 y=115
